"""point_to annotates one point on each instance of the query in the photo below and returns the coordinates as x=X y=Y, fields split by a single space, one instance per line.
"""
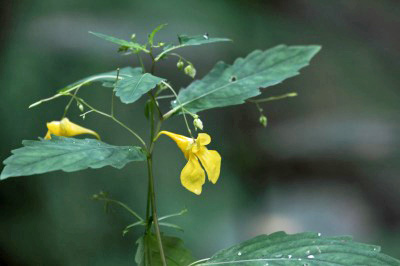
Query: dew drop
x=319 y=234
x=308 y=252
x=239 y=253
x=290 y=256
x=311 y=257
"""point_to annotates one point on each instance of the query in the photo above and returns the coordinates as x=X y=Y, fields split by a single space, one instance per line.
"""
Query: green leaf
x=233 y=84
x=185 y=40
x=176 y=254
x=151 y=36
x=301 y=249
x=130 y=89
x=107 y=78
x=121 y=42
x=67 y=154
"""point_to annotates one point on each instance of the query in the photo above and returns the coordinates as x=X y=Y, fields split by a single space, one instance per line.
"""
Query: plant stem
x=109 y=116
x=151 y=198
x=154 y=209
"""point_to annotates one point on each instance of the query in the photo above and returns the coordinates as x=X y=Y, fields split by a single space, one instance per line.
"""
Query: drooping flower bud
x=263 y=120
x=198 y=124
x=190 y=71
x=180 y=64
x=81 y=108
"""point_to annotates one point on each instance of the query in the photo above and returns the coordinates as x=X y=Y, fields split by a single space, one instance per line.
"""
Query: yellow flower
x=66 y=128
x=192 y=175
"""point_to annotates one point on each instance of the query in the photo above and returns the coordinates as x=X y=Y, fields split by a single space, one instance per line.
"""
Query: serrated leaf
x=107 y=78
x=186 y=40
x=233 y=84
x=301 y=249
x=175 y=253
x=67 y=154
x=157 y=29
x=121 y=42
x=130 y=89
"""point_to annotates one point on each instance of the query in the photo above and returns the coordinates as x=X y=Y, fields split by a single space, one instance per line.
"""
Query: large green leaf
x=301 y=249
x=123 y=43
x=67 y=154
x=233 y=84
x=131 y=88
x=175 y=253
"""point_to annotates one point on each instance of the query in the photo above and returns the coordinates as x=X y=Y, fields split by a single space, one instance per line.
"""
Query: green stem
x=154 y=209
x=69 y=104
x=109 y=116
x=151 y=198
x=180 y=105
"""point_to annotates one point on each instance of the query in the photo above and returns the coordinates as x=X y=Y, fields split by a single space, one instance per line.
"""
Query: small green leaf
x=176 y=254
x=130 y=89
x=301 y=249
x=108 y=78
x=233 y=84
x=185 y=40
x=121 y=42
x=67 y=154
x=151 y=36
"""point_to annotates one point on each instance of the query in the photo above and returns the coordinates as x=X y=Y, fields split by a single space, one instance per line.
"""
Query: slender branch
x=69 y=104
x=173 y=215
x=165 y=97
x=111 y=117
x=70 y=89
x=183 y=110
x=167 y=51
x=123 y=205
x=273 y=98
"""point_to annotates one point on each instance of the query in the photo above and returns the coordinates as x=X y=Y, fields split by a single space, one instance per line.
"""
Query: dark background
x=327 y=162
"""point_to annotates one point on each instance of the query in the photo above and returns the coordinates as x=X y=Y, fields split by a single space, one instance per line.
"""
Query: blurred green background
x=327 y=162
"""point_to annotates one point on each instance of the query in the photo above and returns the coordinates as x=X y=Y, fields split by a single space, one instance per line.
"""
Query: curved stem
x=109 y=116
x=183 y=109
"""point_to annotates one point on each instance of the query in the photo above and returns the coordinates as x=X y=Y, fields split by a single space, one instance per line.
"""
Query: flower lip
x=195 y=151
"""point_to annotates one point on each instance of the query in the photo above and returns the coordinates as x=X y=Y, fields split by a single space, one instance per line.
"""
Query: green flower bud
x=80 y=106
x=180 y=64
x=133 y=36
x=190 y=71
x=263 y=120
x=198 y=124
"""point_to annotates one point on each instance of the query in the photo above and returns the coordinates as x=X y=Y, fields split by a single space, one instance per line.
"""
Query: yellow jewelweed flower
x=66 y=128
x=192 y=175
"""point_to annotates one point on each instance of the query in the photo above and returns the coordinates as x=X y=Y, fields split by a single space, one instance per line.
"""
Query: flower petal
x=211 y=161
x=203 y=139
x=184 y=143
x=193 y=176
x=66 y=128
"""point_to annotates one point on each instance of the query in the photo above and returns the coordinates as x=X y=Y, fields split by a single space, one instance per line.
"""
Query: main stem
x=151 y=198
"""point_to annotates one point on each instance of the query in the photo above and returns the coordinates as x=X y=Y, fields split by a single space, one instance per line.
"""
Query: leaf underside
x=233 y=84
x=175 y=252
x=67 y=154
x=301 y=249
